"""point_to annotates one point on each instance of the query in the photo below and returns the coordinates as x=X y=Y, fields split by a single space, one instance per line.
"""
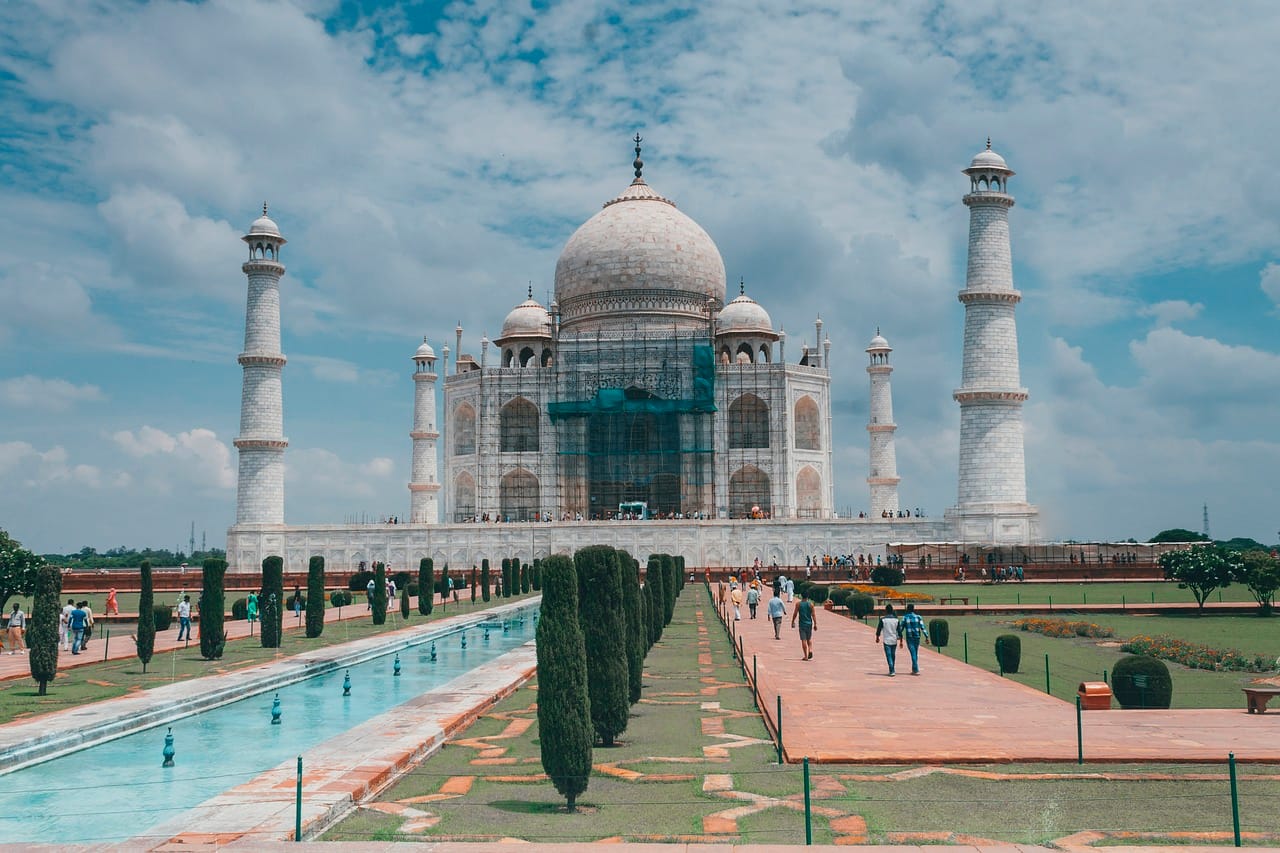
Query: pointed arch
x=518 y=427
x=808 y=424
x=518 y=495
x=464 y=497
x=748 y=422
x=464 y=430
x=808 y=493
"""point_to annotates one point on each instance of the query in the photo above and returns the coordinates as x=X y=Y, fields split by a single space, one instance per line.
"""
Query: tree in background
x=604 y=631
x=271 y=602
x=404 y=602
x=379 y=594
x=315 y=597
x=564 y=711
x=1260 y=572
x=1178 y=534
x=473 y=584
x=535 y=575
x=508 y=576
x=146 y=636
x=213 y=605
x=680 y=573
x=1201 y=569
x=636 y=647
x=524 y=577
x=42 y=636
x=646 y=620
x=485 y=580
x=670 y=583
x=653 y=580
x=19 y=569
x=426 y=585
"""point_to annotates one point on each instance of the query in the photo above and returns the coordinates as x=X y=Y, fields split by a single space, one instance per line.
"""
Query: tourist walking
x=88 y=624
x=913 y=629
x=369 y=593
x=753 y=599
x=888 y=628
x=76 y=619
x=790 y=587
x=184 y=618
x=251 y=609
x=17 y=622
x=807 y=616
x=735 y=595
x=64 y=624
x=776 y=611
x=113 y=606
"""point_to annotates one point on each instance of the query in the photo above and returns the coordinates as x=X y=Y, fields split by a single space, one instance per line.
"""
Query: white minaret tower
x=883 y=478
x=424 y=486
x=261 y=444
x=992 y=502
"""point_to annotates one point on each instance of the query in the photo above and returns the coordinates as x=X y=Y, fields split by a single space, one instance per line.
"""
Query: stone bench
x=1258 y=697
x=954 y=599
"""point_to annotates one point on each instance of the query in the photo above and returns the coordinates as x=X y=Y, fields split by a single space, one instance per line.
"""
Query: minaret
x=261 y=444
x=992 y=481
x=424 y=485
x=883 y=478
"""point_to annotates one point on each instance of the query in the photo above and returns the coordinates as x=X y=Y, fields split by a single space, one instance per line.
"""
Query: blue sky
x=428 y=161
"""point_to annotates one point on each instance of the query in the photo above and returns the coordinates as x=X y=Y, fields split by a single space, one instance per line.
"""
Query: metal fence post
x=1079 y=732
x=966 y=646
x=755 y=682
x=1235 y=796
x=297 y=813
x=779 y=729
x=1047 y=689
x=808 y=812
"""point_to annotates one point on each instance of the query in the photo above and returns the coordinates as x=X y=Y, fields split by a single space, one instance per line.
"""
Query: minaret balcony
x=989 y=395
x=261 y=443
x=424 y=487
x=881 y=427
x=258 y=359
x=968 y=297
x=884 y=481
x=986 y=197
x=263 y=265
x=416 y=434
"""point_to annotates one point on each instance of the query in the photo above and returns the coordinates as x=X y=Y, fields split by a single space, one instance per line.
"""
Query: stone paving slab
x=842 y=707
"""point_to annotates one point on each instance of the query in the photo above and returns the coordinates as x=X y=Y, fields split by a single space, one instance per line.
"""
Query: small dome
x=743 y=315
x=424 y=351
x=264 y=225
x=878 y=343
x=528 y=319
x=988 y=159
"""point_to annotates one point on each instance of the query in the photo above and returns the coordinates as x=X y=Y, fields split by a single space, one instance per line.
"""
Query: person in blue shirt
x=77 y=619
x=913 y=629
x=776 y=611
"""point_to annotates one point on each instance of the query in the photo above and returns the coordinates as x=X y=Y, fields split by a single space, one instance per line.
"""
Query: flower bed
x=1063 y=628
x=885 y=592
x=1195 y=655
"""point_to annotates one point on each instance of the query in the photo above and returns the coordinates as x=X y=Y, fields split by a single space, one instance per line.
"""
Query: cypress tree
x=680 y=572
x=653 y=580
x=484 y=579
x=508 y=576
x=631 y=609
x=315 y=598
x=535 y=575
x=146 y=637
x=271 y=602
x=473 y=584
x=426 y=586
x=604 y=631
x=404 y=602
x=213 y=604
x=670 y=583
x=42 y=636
x=564 y=710
x=380 y=594
x=506 y=573
x=444 y=585
x=646 y=623
x=524 y=577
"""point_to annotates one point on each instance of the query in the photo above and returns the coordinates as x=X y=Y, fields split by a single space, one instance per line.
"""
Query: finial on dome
x=424 y=339
x=988 y=143
x=264 y=208
x=638 y=165
x=530 y=290
x=877 y=331
x=742 y=286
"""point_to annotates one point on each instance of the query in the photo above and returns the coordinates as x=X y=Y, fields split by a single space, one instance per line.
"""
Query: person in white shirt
x=64 y=624
x=888 y=628
x=17 y=621
x=184 y=618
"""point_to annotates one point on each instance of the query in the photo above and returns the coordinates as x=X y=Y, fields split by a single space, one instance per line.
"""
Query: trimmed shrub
x=652 y=592
x=379 y=594
x=535 y=575
x=1009 y=652
x=1139 y=681
x=146 y=636
x=839 y=597
x=939 y=633
x=524 y=578
x=271 y=602
x=636 y=647
x=213 y=602
x=359 y=582
x=861 y=605
x=473 y=584
x=42 y=636
x=426 y=585
x=604 y=633
x=338 y=598
x=485 y=580
x=404 y=602
x=162 y=616
x=655 y=577
x=818 y=593
x=240 y=608
x=669 y=581
x=565 y=735
x=887 y=576
x=315 y=597
x=401 y=579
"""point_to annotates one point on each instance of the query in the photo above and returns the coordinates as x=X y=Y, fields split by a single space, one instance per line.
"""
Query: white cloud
x=196 y=458
x=329 y=369
x=1172 y=311
x=40 y=469
x=1270 y=281
x=51 y=395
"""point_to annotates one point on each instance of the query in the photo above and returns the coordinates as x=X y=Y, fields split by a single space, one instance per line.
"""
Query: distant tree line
x=130 y=558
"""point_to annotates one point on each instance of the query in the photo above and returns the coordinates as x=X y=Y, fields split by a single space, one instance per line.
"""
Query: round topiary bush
x=861 y=605
x=939 y=632
x=340 y=598
x=1009 y=652
x=840 y=596
x=1139 y=681
x=887 y=576
x=359 y=582
x=163 y=616
x=817 y=593
x=240 y=608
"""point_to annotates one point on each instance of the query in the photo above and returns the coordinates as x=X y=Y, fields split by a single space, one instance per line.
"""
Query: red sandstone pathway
x=842 y=707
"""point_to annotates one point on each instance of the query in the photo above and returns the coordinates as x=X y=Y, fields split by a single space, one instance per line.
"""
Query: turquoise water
x=116 y=790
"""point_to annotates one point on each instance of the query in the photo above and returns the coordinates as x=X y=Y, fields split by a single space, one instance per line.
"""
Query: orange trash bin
x=1095 y=695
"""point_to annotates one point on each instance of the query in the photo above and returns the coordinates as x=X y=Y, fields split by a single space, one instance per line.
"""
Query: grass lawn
x=1067 y=594
x=1076 y=659
x=482 y=785
x=109 y=679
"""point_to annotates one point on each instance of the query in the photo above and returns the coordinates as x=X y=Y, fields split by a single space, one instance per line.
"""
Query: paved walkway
x=842 y=707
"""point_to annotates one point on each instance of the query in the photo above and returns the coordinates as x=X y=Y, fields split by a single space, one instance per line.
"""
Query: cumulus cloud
x=329 y=369
x=1172 y=311
x=52 y=395
x=195 y=458
x=41 y=469
x=1270 y=281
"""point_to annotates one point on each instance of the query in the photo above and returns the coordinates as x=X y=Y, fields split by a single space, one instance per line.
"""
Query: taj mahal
x=645 y=409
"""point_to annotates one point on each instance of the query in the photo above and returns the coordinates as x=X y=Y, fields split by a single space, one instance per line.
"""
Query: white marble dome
x=264 y=226
x=878 y=343
x=528 y=319
x=744 y=316
x=425 y=351
x=988 y=159
x=639 y=261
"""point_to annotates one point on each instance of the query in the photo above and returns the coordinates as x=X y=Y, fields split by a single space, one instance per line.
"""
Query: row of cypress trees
x=595 y=627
